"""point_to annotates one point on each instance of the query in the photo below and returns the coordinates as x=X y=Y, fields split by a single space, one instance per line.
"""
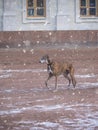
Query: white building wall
x=48 y=23
x=15 y=17
x=65 y=15
x=1 y=15
x=60 y=15
x=68 y=17
x=10 y=15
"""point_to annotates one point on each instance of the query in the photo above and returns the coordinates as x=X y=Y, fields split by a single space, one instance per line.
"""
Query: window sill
x=34 y=20
x=86 y=19
x=89 y=17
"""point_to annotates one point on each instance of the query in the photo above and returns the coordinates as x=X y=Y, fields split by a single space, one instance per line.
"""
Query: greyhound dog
x=55 y=69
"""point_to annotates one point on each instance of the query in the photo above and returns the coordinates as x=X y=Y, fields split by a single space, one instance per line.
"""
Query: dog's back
x=60 y=67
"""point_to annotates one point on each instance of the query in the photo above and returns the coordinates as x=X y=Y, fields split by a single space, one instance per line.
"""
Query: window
x=88 y=8
x=36 y=8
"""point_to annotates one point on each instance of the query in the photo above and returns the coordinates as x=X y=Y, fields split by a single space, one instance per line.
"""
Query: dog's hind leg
x=56 y=83
x=72 y=77
x=67 y=77
x=73 y=80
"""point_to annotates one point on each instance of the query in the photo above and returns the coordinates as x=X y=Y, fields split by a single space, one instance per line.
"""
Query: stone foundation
x=29 y=38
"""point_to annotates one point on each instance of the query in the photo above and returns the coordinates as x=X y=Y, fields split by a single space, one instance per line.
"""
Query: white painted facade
x=60 y=15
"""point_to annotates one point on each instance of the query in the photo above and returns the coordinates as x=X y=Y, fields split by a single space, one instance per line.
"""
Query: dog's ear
x=47 y=56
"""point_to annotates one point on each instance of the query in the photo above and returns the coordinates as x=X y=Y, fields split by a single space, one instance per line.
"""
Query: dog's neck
x=48 y=61
x=49 y=67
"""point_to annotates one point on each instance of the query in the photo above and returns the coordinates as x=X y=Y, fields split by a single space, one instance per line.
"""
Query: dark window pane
x=30 y=12
x=92 y=3
x=40 y=3
x=83 y=11
x=92 y=11
x=83 y=2
x=40 y=12
x=30 y=3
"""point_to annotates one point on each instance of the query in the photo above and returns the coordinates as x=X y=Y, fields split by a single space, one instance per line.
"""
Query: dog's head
x=44 y=59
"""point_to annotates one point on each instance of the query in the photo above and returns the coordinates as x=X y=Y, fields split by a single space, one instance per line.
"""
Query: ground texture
x=26 y=103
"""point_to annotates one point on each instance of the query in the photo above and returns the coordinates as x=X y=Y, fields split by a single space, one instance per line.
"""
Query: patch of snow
x=24 y=51
x=62 y=49
x=37 y=128
x=8 y=90
x=47 y=108
x=89 y=84
x=24 y=70
x=19 y=33
x=79 y=92
x=19 y=45
x=82 y=99
x=50 y=33
x=7 y=46
x=24 y=64
x=86 y=76
x=48 y=124
x=26 y=122
x=37 y=42
x=14 y=111
x=32 y=51
x=4 y=76
x=5 y=121
x=27 y=43
x=73 y=94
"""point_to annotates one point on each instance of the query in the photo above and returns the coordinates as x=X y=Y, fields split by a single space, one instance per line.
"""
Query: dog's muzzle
x=42 y=61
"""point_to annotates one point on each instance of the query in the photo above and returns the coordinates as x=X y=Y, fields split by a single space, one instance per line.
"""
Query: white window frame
x=82 y=19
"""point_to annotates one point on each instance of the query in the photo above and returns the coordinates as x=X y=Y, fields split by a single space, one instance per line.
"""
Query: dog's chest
x=49 y=68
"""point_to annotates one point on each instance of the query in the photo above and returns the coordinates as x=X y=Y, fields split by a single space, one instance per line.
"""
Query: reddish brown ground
x=25 y=102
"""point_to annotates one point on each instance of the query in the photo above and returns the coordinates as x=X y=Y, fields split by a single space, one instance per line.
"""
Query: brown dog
x=57 y=68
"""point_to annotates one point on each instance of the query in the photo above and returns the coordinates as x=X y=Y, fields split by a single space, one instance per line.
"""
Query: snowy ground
x=25 y=102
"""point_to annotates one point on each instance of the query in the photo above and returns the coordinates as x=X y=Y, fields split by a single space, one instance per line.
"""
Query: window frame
x=36 y=20
x=83 y=19
x=35 y=12
x=87 y=7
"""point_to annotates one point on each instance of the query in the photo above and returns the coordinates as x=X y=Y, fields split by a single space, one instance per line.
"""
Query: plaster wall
x=60 y=15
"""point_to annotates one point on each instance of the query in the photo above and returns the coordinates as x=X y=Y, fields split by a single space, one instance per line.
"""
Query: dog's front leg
x=46 y=82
